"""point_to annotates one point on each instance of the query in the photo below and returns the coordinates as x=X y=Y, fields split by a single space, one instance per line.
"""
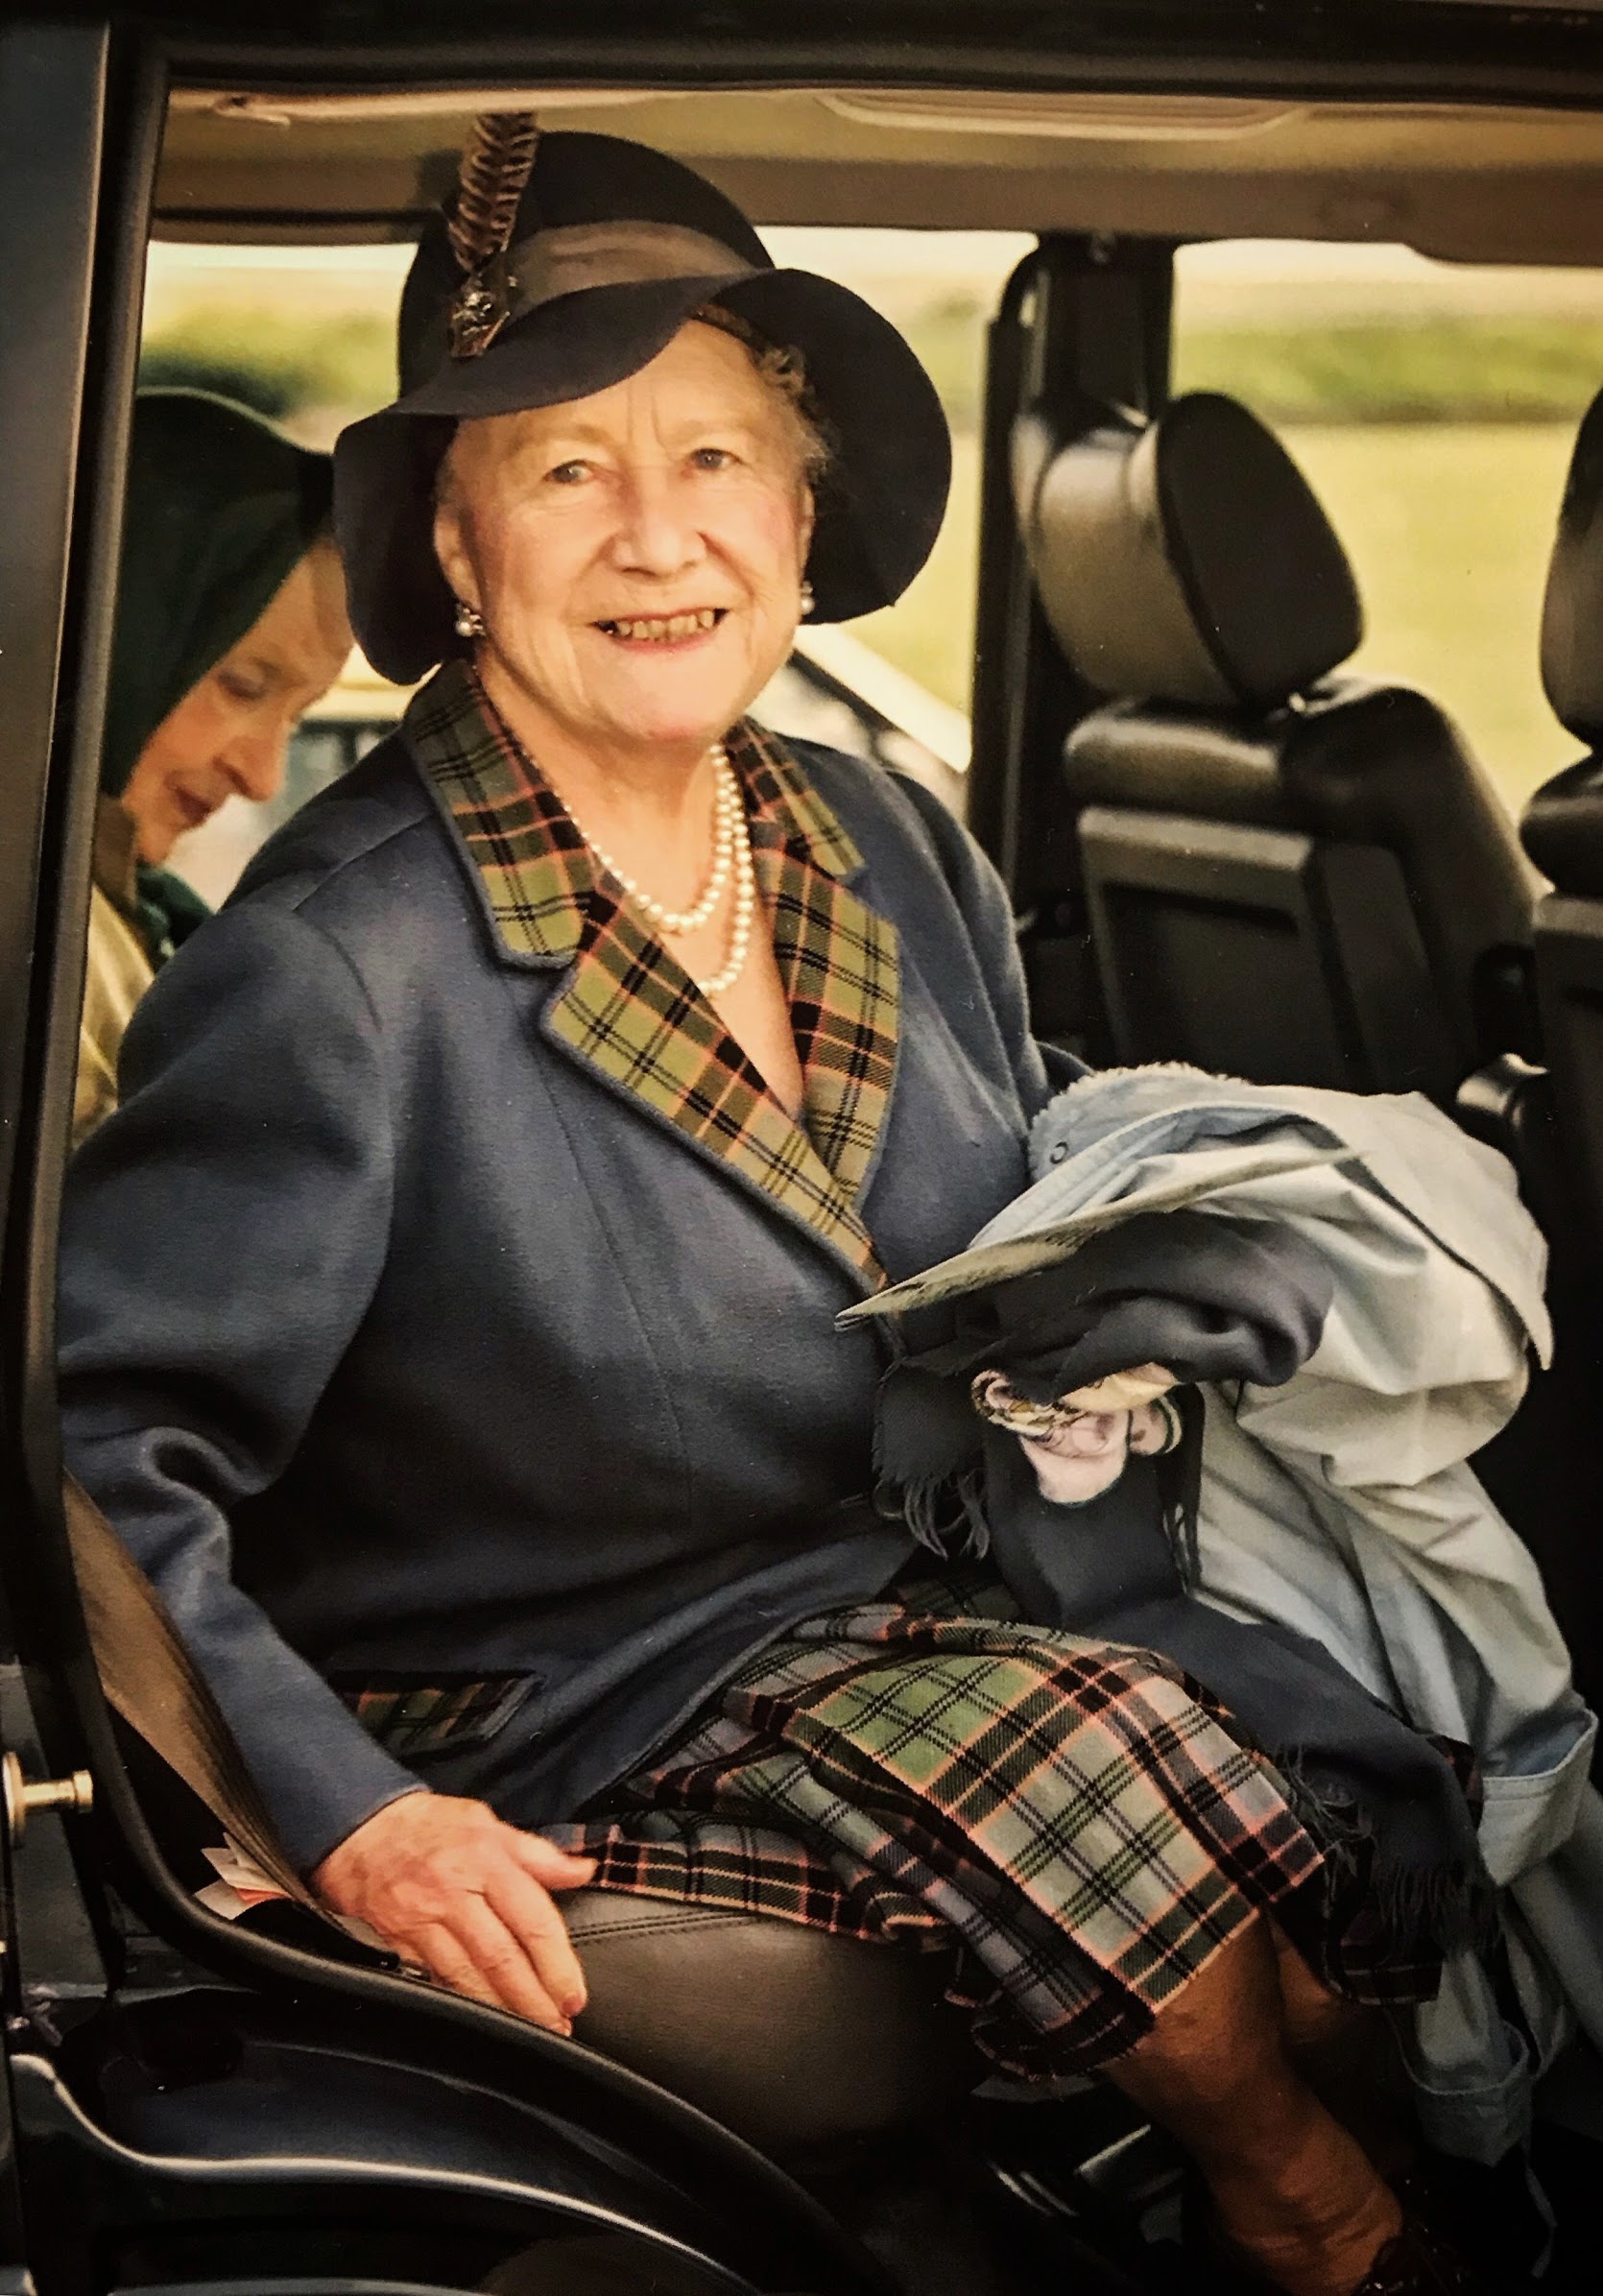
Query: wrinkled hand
x=459 y=1895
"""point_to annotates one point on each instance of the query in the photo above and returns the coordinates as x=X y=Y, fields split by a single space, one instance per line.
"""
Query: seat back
x=1287 y=875
x=1546 y=1468
x=1563 y=828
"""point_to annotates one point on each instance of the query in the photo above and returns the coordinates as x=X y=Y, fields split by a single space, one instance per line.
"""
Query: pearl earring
x=808 y=601
x=470 y=622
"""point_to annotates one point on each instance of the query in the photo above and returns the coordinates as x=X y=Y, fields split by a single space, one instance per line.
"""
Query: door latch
x=21 y=1800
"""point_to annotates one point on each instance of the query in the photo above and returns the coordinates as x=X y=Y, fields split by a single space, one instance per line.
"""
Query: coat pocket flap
x=1529 y=1815
x=421 y=1714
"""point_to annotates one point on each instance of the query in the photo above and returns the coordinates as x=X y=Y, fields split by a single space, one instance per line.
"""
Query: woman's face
x=636 y=556
x=229 y=736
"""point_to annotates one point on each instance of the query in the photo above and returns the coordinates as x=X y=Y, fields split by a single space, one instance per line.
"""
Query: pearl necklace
x=729 y=824
x=727 y=812
x=740 y=932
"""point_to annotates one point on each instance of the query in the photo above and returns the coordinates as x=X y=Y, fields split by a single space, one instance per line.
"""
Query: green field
x=1448 y=526
x=930 y=633
x=1517 y=366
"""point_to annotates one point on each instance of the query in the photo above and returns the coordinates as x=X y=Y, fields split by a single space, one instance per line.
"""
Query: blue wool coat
x=443 y=1368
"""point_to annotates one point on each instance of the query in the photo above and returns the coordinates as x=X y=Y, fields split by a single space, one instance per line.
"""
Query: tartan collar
x=627 y=1011
x=535 y=870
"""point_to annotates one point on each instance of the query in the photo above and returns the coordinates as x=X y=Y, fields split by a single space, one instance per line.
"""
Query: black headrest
x=1562 y=828
x=1184 y=559
x=1573 y=611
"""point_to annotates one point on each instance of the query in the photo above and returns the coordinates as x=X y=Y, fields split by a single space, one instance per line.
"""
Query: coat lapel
x=837 y=957
x=630 y=1013
x=532 y=868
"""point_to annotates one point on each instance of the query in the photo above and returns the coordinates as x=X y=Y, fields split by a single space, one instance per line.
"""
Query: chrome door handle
x=21 y=1800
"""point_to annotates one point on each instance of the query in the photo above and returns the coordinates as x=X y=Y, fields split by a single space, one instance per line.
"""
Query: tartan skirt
x=1078 y=1825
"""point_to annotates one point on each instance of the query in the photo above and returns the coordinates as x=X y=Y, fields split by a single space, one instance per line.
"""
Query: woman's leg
x=1294 y=2190
x=1348 y=2057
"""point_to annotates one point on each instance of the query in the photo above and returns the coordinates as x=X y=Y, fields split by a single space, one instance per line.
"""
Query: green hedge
x=1494 y=369
x=280 y=364
x=1522 y=370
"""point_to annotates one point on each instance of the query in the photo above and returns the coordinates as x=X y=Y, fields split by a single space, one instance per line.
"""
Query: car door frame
x=81 y=106
x=78 y=153
x=1083 y=328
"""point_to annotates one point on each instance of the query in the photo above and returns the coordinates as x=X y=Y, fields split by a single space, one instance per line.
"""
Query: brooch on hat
x=497 y=163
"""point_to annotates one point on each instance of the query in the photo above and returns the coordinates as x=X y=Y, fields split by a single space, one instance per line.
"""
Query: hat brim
x=878 y=508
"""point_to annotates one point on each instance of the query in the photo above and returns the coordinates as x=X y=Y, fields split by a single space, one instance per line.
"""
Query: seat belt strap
x=151 y=1679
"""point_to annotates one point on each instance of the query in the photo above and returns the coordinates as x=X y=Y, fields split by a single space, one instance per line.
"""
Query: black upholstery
x=1545 y=1469
x=1508 y=1105
x=1573 y=611
x=1570 y=999
x=1248 y=821
x=1563 y=828
x=1185 y=558
x=795 y=2039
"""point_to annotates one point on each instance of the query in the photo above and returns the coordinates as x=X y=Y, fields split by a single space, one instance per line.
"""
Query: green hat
x=220 y=508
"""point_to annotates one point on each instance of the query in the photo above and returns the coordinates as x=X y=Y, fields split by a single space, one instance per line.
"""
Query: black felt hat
x=564 y=263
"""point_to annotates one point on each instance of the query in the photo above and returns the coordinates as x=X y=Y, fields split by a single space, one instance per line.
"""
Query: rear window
x=1433 y=407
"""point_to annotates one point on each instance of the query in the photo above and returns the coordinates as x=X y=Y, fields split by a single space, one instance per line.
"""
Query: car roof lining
x=1471 y=183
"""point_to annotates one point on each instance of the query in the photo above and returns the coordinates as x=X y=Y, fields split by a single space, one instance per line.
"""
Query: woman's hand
x=459 y=1895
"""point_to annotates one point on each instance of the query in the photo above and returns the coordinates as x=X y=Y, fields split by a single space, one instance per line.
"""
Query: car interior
x=1224 y=847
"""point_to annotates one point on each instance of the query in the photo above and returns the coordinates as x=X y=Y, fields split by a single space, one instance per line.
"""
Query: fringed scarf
x=1216 y=1300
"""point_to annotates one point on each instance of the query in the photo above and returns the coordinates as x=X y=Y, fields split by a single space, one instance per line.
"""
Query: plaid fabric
x=413 y=1713
x=1078 y=1822
x=632 y=1013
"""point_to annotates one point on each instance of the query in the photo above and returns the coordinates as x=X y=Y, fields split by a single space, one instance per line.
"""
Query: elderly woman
x=231 y=623
x=448 y=1312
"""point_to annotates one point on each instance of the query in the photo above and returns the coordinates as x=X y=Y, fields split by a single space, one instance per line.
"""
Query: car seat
x=1563 y=829
x=799 y=2040
x=1546 y=1469
x=1289 y=876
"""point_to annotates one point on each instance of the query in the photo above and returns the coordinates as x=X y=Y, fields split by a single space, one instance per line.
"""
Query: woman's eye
x=713 y=458
x=568 y=474
x=239 y=689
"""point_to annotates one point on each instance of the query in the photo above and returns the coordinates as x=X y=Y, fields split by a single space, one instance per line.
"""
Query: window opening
x=1433 y=407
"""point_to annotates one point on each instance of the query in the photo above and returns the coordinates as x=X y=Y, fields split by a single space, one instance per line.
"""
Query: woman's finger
x=436 y=1951
x=501 y=1962
x=485 y=1964
x=551 y=1867
x=529 y=1913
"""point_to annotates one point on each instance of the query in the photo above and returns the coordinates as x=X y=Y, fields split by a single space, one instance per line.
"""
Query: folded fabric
x=1106 y=1544
x=1336 y=1510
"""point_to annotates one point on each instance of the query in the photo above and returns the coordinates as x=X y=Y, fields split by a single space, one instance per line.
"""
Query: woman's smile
x=677 y=630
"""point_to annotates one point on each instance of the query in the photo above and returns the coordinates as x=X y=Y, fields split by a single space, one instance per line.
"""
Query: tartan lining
x=415 y=1715
x=630 y=1011
x=1079 y=1824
